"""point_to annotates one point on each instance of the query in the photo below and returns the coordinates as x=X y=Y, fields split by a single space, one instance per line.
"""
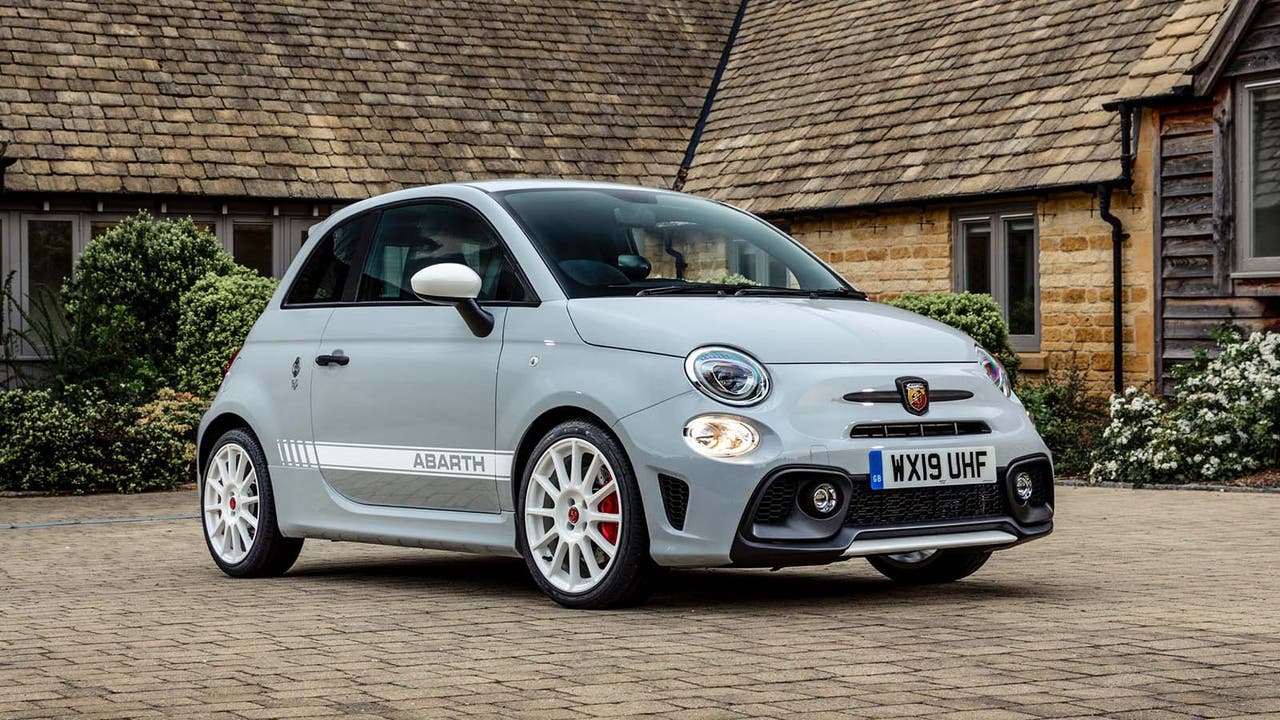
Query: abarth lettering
x=448 y=461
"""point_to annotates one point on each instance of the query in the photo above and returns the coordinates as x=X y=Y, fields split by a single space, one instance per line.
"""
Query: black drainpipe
x=689 y=152
x=1118 y=236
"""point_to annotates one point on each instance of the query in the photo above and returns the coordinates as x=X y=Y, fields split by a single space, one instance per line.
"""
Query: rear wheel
x=581 y=524
x=930 y=566
x=239 y=512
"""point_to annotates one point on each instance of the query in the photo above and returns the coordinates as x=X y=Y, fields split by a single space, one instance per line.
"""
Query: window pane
x=324 y=275
x=100 y=227
x=251 y=246
x=48 y=256
x=976 y=237
x=1266 y=173
x=1020 y=239
x=416 y=236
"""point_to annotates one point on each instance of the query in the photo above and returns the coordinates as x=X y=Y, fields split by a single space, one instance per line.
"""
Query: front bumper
x=811 y=432
x=984 y=517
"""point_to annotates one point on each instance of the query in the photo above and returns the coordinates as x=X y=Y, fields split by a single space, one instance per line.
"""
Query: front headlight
x=721 y=436
x=995 y=371
x=727 y=375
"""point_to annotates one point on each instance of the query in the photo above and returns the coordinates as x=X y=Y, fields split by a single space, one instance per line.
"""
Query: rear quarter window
x=323 y=277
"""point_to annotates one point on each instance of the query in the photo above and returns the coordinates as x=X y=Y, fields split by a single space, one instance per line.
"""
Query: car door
x=287 y=340
x=403 y=406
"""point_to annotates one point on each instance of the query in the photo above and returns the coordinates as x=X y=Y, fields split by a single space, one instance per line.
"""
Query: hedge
x=215 y=316
x=122 y=307
x=75 y=440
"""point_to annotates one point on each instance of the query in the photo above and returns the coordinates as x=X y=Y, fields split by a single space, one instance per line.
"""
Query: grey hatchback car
x=604 y=380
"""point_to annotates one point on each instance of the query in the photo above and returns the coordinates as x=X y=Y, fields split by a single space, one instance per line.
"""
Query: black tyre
x=580 y=522
x=939 y=566
x=238 y=511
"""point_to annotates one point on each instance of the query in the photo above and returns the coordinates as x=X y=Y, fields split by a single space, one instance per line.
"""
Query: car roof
x=487 y=186
x=509 y=184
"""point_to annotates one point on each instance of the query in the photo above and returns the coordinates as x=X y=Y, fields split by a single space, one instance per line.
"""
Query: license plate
x=896 y=469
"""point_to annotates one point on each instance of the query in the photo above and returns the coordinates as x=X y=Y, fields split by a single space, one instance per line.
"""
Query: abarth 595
x=605 y=380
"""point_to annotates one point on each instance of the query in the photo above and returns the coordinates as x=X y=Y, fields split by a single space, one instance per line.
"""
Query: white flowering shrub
x=1222 y=421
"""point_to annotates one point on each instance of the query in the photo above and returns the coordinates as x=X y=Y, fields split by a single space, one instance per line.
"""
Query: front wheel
x=580 y=521
x=930 y=566
x=239 y=510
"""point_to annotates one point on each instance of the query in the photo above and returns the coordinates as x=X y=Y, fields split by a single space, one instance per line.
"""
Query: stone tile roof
x=835 y=103
x=346 y=99
x=1179 y=46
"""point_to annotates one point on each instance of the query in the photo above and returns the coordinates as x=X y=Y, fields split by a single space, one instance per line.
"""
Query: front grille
x=920 y=429
x=876 y=508
x=675 y=499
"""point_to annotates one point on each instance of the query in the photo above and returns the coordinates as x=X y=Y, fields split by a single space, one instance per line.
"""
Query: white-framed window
x=1257 y=178
x=997 y=253
x=41 y=248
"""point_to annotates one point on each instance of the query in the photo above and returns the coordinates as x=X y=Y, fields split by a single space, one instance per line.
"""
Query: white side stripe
x=398 y=459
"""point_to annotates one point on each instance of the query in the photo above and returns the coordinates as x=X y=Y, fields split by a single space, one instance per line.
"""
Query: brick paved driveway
x=1142 y=605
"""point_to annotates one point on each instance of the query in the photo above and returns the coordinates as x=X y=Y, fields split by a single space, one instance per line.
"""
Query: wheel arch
x=214 y=430
x=539 y=427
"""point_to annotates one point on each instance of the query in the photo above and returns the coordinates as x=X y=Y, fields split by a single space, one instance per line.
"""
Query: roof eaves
x=1208 y=71
x=950 y=199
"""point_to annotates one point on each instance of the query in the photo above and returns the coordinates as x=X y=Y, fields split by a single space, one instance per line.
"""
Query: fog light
x=1023 y=486
x=721 y=436
x=825 y=498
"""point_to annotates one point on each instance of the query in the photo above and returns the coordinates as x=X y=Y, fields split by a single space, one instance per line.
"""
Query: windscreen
x=605 y=241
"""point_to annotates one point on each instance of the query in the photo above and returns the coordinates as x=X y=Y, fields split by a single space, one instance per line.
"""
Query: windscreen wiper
x=800 y=292
x=688 y=289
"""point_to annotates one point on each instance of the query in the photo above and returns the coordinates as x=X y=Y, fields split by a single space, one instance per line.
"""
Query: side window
x=1258 y=178
x=324 y=275
x=412 y=237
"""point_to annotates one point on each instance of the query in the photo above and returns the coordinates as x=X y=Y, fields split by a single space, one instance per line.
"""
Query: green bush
x=122 y=307
x=1069 y=417
x=973 y=314
x=78 y=441
x=215 y=316
x=1221 y=422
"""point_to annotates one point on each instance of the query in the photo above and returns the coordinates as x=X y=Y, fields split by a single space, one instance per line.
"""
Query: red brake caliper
x=609 y=529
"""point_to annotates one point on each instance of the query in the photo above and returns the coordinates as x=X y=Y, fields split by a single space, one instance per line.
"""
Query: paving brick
x=1140 y=605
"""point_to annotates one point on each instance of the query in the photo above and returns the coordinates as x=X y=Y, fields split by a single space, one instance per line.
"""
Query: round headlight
x=721 y=436
x=995 y=371
x=727 y=375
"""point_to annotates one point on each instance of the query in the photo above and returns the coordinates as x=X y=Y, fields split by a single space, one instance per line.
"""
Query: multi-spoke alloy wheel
x=238 y=509
x=572 y=515
x=582 y=527
x=231 y=503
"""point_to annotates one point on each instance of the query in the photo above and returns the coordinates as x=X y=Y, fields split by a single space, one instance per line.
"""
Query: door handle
x=326 y=360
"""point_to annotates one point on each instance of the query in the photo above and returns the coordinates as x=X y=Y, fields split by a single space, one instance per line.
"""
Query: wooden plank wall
x=1196 y=221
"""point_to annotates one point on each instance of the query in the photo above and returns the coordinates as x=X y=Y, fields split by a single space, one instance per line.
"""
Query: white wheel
x=573 y=515
x=230 y=503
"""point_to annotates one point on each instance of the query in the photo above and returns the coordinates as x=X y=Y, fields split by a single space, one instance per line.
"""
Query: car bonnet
x=774 y=330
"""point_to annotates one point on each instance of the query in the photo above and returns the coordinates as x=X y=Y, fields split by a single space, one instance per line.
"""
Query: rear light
x=227 y=368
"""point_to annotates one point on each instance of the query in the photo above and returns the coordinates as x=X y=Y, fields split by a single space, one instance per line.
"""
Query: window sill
x=1256 y=274
x=1033 y=361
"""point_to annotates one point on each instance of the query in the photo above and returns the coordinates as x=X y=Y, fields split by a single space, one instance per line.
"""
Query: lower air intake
x=675 y=499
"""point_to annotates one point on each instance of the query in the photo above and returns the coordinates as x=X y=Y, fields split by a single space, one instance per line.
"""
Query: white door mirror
x=446 y=281
x=458 y=284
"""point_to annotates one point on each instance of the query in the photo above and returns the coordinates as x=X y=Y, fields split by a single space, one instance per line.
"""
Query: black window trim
x=362 y=252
